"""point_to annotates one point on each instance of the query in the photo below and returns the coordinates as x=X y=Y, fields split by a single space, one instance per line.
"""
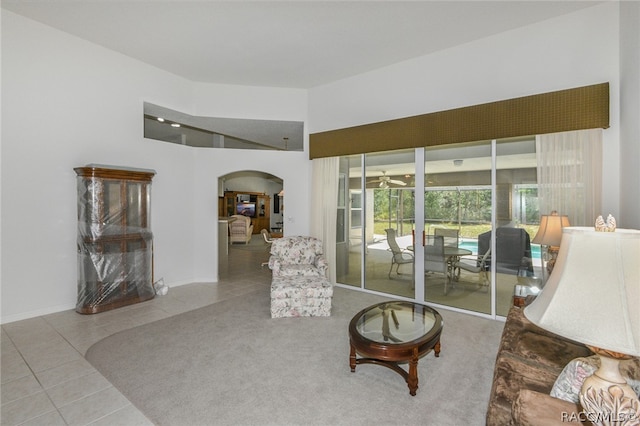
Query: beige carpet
x=231 y=364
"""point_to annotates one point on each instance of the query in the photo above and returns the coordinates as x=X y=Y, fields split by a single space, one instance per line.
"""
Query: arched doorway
x=253 y=194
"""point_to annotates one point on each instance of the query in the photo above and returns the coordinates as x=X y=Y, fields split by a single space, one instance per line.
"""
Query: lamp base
x=553 y=255
x=606 y=397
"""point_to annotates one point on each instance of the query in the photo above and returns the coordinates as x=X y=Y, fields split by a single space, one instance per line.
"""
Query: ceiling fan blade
x=398 y=182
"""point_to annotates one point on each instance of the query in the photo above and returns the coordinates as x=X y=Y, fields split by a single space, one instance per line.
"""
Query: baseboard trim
x=37 y=313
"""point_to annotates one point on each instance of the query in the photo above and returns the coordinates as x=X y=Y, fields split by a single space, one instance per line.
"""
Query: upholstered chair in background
x=240 y=229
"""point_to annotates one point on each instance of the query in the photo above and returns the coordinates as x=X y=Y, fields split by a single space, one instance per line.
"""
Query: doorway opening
x=254 y=198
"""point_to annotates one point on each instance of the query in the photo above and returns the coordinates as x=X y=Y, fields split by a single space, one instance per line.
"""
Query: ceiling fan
x=386 y=180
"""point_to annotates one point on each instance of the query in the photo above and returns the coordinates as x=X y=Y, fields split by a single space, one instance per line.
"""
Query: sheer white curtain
x=324 y=207
x=570 y=174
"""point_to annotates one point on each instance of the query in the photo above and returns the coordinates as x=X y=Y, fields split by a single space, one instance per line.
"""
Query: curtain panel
x=570 y=174
x=324 y=208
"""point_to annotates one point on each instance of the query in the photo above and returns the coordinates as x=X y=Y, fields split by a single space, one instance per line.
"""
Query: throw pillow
x=569 y=382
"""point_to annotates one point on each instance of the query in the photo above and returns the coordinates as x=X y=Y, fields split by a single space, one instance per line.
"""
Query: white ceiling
x=297 y=44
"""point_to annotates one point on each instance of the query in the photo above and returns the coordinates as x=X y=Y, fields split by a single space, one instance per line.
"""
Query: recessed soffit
x=216 y=132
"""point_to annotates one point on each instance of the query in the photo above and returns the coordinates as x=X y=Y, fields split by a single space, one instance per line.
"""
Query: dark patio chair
x=513 y=250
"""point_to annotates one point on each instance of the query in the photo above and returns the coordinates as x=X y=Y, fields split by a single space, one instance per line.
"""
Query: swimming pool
x=473 y=246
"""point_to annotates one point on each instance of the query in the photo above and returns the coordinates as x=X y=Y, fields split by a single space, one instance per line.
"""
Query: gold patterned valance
x=565 y=110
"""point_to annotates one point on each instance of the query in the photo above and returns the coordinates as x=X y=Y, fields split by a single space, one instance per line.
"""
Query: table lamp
x=550 y=234
x=593 y=297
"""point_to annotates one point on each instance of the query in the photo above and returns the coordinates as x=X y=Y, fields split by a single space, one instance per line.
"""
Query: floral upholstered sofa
x=297 y=256
x=299 y=287
x=301 y=297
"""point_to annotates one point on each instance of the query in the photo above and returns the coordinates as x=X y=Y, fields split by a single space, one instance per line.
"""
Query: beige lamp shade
x=593 y=294
x=550 y=231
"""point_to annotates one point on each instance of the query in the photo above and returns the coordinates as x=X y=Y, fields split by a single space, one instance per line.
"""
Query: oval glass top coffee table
x=393 y=332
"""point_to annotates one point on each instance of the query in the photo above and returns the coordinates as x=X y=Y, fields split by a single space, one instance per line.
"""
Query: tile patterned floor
x=45 y=379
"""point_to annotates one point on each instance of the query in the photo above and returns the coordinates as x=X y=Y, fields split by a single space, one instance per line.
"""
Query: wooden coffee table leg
x=436 y=349
x=352 y=359
x=412 y=378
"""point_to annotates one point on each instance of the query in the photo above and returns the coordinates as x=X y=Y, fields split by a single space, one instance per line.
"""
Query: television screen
x=246 y=209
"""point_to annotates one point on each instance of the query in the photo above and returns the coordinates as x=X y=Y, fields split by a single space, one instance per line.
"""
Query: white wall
x=630 y=114
x=294 y=168
x=574 y=50
x=67 y=102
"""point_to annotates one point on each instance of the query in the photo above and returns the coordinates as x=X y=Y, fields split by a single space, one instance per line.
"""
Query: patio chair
x=267 y=240
x=267 y=236
x=399 y=256
x=513 y=250
x=477 y=265
x=450 y=236
x=435 y=259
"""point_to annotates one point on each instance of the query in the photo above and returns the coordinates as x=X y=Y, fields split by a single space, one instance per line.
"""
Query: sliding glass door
x=389 y=218
x=432 y=239
x=350 y=232
x=458 y=200
x=517 y=219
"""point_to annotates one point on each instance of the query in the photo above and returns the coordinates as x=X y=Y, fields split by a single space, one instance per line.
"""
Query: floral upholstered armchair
x=297 y=256
x=240 y=229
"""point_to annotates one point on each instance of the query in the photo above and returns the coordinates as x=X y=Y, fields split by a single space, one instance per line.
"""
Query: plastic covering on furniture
x=114 y=242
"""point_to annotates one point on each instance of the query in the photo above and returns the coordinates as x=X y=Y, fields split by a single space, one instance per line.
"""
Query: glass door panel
x=389 y=215
x=465 y=191
x=114 y=207
x=517 y=218
x=349 y=240
x=457 y=187
x=134 y=216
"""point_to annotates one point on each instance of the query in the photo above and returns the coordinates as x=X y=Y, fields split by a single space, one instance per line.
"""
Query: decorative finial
x=608 y=226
